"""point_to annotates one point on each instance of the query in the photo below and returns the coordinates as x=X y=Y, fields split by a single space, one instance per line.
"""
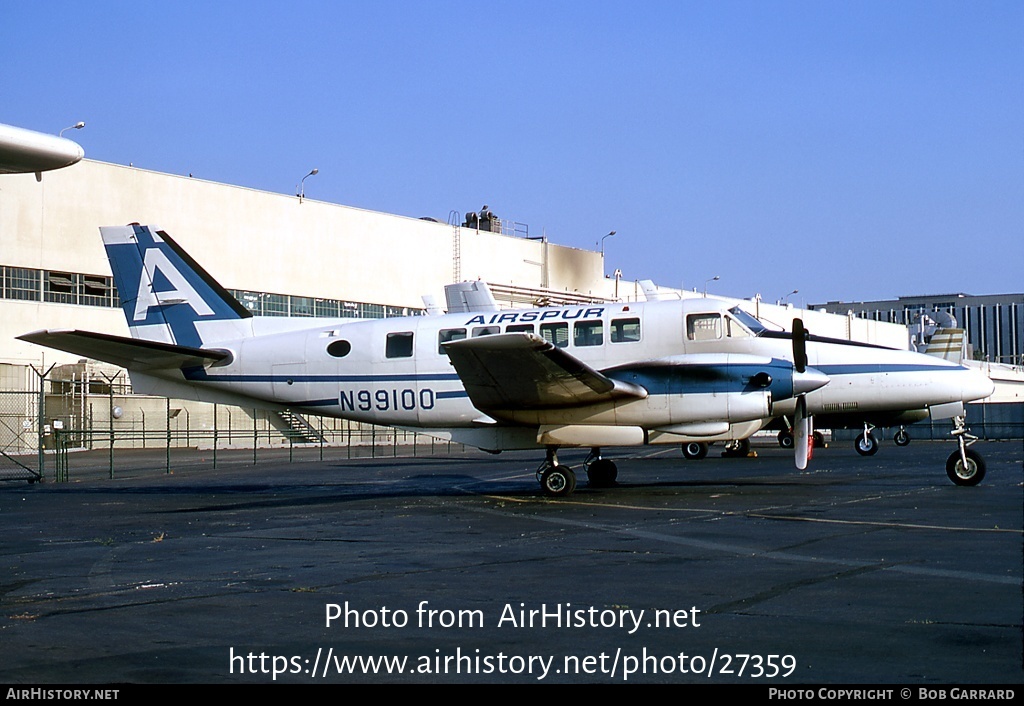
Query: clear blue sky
x=851 y=150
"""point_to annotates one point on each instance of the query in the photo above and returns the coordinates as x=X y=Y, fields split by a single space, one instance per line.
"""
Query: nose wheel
x=964 y=466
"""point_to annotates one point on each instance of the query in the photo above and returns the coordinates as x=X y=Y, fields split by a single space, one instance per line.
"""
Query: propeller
x=799 y=345
x=803 y=423
x=803 y=433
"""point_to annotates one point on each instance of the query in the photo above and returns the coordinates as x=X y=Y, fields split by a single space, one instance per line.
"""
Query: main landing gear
x=964 y=466
x=785 y=439
x=738 y=448
x=560 y=481
x=601 y=472
x=901 y=437
x=695 y=450
x=866 y=443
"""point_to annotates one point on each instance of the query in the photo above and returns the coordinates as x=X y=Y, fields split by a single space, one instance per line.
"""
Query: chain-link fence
x=89 y=419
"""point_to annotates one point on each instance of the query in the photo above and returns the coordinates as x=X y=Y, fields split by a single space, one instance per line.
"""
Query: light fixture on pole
x=713 y=279
x=77 y=126
x=783 y=300
x=602 y=241
x=300 y=190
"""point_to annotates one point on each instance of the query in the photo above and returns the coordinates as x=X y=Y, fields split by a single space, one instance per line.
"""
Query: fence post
x=168 y=417
x=214 y=436
x=255 y=436
x=110 y=420
x=41 y=414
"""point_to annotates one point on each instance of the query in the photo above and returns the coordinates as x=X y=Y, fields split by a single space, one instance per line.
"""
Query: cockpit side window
x=748 y=320
x=733 y=329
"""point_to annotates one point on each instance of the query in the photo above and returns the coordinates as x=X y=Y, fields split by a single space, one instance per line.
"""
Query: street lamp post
x=77 y=126
x=782 y=301
x=713 y=279
x=602 y=242
x=300 y=190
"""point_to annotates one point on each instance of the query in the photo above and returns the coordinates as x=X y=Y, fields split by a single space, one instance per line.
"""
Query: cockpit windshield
x=755 y=326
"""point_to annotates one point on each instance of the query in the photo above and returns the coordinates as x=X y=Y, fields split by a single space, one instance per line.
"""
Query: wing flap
x=130 y=353
x=523 y=371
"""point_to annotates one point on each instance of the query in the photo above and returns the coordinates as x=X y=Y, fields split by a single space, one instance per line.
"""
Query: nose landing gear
x=964 y=466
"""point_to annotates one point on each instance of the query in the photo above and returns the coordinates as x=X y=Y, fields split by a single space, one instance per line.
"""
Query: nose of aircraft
x=976 y=385
x=809 y=380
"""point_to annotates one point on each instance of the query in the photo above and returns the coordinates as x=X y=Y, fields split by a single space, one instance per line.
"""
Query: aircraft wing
x=523 y=371
x=130 y=353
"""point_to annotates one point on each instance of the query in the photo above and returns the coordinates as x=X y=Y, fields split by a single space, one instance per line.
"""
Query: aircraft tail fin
x=947 y=343
x=165 y=294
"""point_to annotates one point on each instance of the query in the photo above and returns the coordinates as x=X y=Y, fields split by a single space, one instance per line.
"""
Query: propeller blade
x=799 y=345
x=802 y=431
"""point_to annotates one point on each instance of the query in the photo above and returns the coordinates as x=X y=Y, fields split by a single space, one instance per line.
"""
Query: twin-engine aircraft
x=687 y=371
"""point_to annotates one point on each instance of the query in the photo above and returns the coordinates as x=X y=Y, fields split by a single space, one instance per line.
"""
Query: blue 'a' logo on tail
x=164 y=292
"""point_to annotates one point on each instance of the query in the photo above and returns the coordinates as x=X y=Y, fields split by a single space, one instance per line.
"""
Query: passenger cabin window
x=588 y=333
x=556 y=334
x=449 y=334
x=486 y=331
x=399 y=345
x=704 y=327
x=625 y=330
x=519 y=328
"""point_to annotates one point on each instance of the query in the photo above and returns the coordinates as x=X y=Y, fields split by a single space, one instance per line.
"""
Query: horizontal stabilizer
x=519 y=371
x=129 y=353
x=469 y=296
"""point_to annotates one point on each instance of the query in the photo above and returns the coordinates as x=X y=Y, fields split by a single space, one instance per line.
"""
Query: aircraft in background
x=592 y=376
x=27 y=151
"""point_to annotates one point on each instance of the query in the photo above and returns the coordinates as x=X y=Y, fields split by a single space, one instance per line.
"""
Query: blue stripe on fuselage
x=202 y=375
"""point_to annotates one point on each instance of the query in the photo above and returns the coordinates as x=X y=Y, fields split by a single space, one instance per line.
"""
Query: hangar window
x=704 y=327
x=339 y=349
x=449 y=334
x=302 y=306
x=61 y=287
x=95 y=290
x=625 y=330
x=557 y=334
x=275 y=305
x=21 y=283
x=588 y=333
x=399 y=345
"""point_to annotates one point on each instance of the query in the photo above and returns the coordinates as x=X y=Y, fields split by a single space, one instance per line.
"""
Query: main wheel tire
x=786 y=439
x=819 y=440
x=558 y=481
x=737 y=449
x=602 y=473
x=866 y=447
x=695 y=450
x=971 y=474
x=901 y=438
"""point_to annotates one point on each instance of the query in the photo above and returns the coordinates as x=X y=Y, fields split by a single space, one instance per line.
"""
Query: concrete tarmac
x=457 y=569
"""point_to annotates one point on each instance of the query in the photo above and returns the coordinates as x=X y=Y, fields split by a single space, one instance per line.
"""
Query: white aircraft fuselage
x=591 y=375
